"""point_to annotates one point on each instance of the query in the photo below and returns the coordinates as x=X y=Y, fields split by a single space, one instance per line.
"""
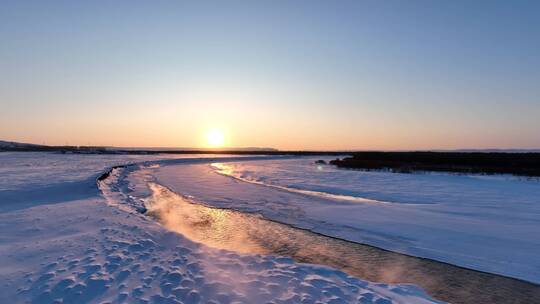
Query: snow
x=61 y=240
x=487 y=223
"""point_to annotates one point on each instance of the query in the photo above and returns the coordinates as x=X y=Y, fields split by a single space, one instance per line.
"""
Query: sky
x=328 y=75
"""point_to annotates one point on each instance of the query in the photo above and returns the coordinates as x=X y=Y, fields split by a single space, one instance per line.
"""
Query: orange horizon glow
x=216 y=139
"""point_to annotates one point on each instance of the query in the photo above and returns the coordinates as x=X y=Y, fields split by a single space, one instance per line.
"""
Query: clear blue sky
x=285 y=74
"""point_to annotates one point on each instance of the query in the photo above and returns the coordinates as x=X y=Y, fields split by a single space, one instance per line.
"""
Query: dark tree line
x=525 y=164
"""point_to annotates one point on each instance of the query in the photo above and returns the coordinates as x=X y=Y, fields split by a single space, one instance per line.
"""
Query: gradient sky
x=283 y=74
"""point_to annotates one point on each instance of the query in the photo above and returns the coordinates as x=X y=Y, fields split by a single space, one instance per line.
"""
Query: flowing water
x=252 y=234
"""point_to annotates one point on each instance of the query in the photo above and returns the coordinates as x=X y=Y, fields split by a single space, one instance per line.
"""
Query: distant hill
x=11 y=145
x=17 y=146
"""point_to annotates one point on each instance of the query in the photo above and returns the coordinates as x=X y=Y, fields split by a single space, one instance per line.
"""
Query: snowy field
x=62 y=241
x=487 y=223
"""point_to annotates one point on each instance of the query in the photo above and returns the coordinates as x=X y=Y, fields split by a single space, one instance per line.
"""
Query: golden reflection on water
x=218 y=228
x=222 y=168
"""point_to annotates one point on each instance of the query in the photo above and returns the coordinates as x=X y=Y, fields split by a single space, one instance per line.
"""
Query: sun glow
x=215 y=138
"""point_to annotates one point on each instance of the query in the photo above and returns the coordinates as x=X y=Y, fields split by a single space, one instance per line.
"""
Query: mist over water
x=218 y=228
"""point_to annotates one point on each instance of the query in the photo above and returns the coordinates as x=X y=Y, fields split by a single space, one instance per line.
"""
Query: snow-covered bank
x=80 y=249
x=484 y=223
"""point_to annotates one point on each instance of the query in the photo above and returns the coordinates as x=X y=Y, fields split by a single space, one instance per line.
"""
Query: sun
x=215 y=138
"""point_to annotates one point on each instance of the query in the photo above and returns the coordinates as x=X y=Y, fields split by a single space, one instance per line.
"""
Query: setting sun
x=215 y=138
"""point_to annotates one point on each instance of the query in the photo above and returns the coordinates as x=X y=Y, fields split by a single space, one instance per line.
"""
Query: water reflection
x=250 y=233
x=218 y=228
